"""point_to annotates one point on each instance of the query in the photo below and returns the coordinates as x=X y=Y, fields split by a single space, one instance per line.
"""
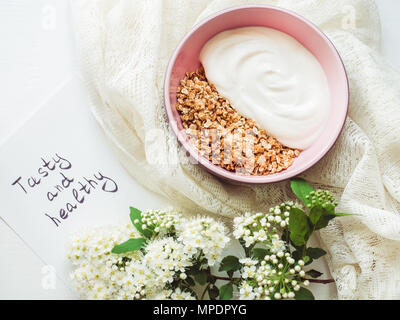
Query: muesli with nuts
x=225 y=137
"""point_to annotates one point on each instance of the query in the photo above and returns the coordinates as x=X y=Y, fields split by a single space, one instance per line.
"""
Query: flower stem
x=205 y=290
x=311 y=280
x=321 y=281
x=224 y=278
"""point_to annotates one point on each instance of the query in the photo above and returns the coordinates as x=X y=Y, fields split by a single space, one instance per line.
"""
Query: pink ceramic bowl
x=186 y=59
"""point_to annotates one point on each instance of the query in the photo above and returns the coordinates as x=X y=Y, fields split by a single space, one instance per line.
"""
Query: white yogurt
x=269 y=77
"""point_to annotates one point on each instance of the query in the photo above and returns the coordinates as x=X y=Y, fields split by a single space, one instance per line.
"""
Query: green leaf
x=309 y=261
x=213 y=292
x=315 y=214
x=306 y=259
x=201 y=277
x=315 y=253
x=323 y=222
x=344 y=214
x=129 y=246
x=314 y=273
x=300 y=227
x=136 y=214
x=298 y=254
x=191 y=291
x=330 y=208
x=327 y=215
x=260 y=253
x=190 y=282
x=304 y=294
x=226 y=292
x=320 y=217
x=230 y=263
x=301 y=189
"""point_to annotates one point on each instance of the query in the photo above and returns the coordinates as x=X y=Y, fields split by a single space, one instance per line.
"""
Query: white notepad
x=59 y=174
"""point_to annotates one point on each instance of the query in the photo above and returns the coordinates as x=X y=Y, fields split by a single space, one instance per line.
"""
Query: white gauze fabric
x=124 y=47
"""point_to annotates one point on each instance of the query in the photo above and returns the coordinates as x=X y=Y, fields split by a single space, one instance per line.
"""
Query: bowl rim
x=215 y=169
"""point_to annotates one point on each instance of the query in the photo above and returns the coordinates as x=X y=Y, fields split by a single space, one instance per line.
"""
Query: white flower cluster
x=261 y=227
x=176 y=294
x=160 y=222
x=153 y=272
x=98 y=274
x=167 y=258
x=175 y=250
x=206 y=235
x=276 y=277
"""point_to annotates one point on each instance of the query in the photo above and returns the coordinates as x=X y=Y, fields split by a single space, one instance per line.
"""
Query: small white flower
x=178 y=294
x=277 y=245
x=183 y=276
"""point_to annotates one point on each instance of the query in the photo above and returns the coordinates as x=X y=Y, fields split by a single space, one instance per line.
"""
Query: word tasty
x=59 y=167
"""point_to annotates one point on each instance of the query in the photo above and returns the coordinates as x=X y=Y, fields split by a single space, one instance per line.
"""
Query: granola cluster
x=225 y=137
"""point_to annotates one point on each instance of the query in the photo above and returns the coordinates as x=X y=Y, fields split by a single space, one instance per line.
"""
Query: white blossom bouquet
x=163 y=255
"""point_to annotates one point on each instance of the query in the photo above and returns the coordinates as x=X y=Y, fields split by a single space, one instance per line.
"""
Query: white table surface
x=36 y=55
